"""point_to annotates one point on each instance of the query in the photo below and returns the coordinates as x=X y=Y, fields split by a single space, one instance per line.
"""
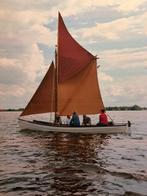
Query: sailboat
x=70 y=84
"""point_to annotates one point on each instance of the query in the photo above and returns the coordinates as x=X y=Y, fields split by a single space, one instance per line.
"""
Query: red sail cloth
x=43 y=99
x=81 y=93
x=72 y=57
x=78 y=88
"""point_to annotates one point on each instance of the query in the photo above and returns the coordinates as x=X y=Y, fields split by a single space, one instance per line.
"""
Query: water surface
x=38 y=163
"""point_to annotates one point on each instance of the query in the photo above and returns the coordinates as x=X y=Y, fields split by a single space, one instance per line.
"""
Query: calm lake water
x=37 y=163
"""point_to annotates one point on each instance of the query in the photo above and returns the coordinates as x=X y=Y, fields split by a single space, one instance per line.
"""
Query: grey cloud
x=102 y=44
x=29 y=4
x=12 y=50
x=12 y=75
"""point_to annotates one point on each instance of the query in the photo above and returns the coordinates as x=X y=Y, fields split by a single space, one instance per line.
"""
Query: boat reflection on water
x=69 y=162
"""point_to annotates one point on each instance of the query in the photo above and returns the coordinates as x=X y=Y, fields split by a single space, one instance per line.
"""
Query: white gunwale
x=34 y=126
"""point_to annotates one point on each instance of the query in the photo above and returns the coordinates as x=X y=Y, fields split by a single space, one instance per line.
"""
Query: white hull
x=28 y=125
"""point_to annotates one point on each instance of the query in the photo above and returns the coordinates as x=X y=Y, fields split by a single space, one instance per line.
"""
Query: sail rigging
x=71 y=84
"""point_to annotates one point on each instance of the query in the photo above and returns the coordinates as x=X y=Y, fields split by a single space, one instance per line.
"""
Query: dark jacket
x=75 y=122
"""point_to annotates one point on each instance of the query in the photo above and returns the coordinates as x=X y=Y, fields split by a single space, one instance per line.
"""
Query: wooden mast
x=56 y=72
x=56 y=83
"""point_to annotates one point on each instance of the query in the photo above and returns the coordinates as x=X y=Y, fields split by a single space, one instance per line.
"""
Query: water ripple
x=36 y=163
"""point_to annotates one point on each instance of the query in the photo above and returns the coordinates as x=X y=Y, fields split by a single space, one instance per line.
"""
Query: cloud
x=123 y=75
x=131 y=5
x=125 y=92
x=26 y=66
x=21 y=60
x=12 y=75
x=124 y=59
x=75 y=6
x=18 y=76
x=105 y=77
x=71 y=7
x=123 y=28
x=15 y=90
x=28 y=34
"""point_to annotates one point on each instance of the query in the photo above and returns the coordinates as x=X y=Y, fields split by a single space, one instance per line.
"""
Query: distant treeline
x=115 y=108
x=123 y=108
x=11 y=110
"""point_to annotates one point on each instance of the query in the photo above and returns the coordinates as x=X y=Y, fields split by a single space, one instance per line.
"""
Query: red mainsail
x=78 y=88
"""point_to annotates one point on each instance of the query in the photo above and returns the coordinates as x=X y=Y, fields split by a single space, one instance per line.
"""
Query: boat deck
x=64 y=125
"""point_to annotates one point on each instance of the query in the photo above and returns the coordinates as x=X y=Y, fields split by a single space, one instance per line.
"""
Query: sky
x=115 y=30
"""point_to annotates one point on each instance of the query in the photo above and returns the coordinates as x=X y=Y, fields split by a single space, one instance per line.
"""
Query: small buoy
x=37 y=179
x=129 y=123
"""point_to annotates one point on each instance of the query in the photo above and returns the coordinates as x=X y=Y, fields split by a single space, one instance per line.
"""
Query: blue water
x=37 y=163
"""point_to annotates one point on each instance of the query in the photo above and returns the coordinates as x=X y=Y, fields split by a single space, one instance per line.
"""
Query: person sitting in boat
x=86 y=120
x=67 y=122
x=57 y=120
x=103 y=119
x=75 y=121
